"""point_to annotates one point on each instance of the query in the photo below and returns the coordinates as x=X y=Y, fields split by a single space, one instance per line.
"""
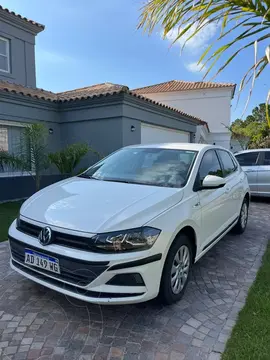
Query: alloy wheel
x=180 y=269
x=244 y=215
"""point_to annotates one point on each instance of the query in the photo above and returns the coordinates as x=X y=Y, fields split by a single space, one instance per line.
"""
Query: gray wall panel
x=105 y=136
x=22 y=54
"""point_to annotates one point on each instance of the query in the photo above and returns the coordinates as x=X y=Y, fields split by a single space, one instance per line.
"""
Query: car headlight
x=127 y=240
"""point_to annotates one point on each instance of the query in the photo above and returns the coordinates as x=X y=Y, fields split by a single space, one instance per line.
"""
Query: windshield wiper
x=120 y=181
x=85 y=176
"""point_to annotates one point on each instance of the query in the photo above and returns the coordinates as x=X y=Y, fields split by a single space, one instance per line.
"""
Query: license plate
x=41 y=261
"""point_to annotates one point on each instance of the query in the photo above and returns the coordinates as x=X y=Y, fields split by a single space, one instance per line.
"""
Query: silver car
x=256 y=164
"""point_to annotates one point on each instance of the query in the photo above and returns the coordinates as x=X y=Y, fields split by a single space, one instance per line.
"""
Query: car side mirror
x=209 y=182
x=213 y=182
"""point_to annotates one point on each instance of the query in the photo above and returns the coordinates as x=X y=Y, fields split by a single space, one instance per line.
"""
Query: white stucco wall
x=201 y=135
x=210 y=105
x=221 y=139
x=236 y=146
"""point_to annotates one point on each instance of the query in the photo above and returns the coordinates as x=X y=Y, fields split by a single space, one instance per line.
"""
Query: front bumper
x=85 y=275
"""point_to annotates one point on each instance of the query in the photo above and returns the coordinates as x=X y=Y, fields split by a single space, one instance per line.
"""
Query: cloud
x=194 y=67
x=198 y=41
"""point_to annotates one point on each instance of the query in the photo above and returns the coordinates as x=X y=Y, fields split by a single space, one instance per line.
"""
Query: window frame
x=7 y=55
x=258 y=160
x=222 y=165
x=196 y=185
x=236 y=164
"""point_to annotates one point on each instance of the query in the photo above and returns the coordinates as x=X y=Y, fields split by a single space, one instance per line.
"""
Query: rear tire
x=176 y=271
x=241 y=225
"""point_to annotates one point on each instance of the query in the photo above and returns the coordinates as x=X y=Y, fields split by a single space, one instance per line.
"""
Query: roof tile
x=90 y=91
x=179 y=85
x=23 y=18
x=27 y=91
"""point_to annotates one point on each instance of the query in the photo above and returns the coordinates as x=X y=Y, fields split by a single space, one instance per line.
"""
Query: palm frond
x=192 y=16
x=267 y=108
x=69 y=158
x=12 y=161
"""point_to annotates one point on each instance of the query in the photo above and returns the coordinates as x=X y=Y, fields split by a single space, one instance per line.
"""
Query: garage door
x=155 y=134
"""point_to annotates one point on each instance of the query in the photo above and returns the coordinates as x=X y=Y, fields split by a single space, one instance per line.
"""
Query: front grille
x=58 y=238
x=74 y=289
x=78 y=272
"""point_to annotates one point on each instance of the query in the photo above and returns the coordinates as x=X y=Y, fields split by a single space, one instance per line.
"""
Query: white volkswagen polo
x=130 y=227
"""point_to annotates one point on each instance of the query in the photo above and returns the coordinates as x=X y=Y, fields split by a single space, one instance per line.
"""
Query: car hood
x=98 y=206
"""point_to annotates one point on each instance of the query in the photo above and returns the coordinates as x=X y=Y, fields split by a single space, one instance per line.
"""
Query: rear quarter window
x=266 y=160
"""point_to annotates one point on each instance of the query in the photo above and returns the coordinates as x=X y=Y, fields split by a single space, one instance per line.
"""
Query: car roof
x=251 y=150
x=177 y=146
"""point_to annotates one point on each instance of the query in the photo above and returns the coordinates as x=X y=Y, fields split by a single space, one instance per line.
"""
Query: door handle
x=250 y=170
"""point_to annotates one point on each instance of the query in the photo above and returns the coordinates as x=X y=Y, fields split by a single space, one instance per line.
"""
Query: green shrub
x=68 y=159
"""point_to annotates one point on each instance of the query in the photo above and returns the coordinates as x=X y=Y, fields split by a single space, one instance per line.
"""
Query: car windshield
x=149 y=166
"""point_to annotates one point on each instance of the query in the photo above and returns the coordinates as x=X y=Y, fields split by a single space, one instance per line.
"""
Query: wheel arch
x=190 y=232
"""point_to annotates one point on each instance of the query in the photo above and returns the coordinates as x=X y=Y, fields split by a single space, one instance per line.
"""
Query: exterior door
x=249 y=162
x=233 y=187
x=212 y=201
x=264 y=174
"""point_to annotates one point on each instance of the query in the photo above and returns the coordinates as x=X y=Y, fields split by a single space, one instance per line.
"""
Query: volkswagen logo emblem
x=45 y=236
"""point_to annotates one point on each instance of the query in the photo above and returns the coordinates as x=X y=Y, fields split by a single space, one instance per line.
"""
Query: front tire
x=176 y=271
x=241 y=225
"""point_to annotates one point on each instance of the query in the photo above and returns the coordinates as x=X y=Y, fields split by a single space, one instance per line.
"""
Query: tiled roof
x=99 y=90
x=23 y=18
x=27 y=91
x=71 y=95
x=91 y=91
x=179 y=85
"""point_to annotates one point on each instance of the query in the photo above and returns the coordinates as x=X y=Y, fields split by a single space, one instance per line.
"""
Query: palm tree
x=245 y=22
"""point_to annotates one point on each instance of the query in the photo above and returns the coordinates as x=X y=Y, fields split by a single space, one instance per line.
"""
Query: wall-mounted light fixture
x=132 y=128
x=50 y=131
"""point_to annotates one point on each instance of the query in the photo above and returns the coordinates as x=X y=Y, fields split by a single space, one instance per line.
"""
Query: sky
x=87 y=42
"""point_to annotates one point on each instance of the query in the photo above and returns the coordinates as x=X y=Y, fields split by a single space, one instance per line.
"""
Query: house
x=106 y=116
x=209 y=101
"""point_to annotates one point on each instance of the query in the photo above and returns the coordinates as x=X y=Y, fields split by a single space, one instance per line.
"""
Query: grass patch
x=8 y=212
x=250 y=339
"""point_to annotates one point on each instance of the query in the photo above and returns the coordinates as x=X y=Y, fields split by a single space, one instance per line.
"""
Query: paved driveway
x=37 y=323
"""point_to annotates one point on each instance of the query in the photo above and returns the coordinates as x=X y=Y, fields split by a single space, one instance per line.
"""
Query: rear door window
x=248 y=159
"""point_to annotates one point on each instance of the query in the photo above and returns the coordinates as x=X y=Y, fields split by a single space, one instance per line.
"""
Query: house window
x=4 y=55
x=11 y=141
x=3 y=139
